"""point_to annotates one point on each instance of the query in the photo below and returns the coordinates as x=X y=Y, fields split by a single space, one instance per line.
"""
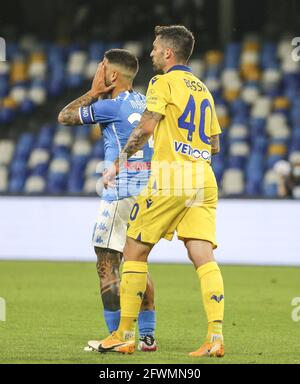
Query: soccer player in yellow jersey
x=182 y=191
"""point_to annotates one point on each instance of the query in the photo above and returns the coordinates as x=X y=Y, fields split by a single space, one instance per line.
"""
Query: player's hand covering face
x=99 y=86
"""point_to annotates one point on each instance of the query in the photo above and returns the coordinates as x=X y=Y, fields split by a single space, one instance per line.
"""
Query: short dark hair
x=124 y=59
x=181 y=39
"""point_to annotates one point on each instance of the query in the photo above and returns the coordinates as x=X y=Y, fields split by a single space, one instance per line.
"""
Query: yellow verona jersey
x=182 y=147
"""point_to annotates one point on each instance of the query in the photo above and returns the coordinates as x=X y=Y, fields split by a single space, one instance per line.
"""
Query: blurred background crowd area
x=243 y=53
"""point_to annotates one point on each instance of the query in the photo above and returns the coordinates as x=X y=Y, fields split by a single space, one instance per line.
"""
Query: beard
x=157 y=68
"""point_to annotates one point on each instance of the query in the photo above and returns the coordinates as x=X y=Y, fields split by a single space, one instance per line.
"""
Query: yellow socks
x=213 y=297
x=214 y=331
x=132 y=289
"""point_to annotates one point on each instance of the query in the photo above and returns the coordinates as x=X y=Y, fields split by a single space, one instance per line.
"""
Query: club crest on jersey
x=189 y=151
x=154 y=80
x=218 y=299
x=149 y=202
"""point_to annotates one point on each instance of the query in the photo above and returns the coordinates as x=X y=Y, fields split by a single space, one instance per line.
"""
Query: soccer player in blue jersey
x=113 y=104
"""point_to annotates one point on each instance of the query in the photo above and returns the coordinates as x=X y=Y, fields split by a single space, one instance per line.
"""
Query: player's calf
x=108 y=265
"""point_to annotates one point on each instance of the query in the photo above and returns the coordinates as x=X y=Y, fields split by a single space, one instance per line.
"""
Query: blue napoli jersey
x=118 y=117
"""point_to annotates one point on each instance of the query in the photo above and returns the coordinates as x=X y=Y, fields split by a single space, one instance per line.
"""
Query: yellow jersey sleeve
x=158 y=95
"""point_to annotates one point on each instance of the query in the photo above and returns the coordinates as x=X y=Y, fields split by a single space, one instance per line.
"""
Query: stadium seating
x=255 y=84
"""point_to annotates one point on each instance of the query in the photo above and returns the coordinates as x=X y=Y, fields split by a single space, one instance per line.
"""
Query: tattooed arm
x=138 y=138
x=70 y=114
x=215 y=144
x=140 y=135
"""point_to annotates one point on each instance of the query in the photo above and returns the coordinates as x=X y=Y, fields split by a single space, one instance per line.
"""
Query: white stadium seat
x=7 y=148
x=38 y=156
x=238 y=131
x=93 y=185
x=4 y=67
x=63 y=138
x=221 y=110
x=289 y=65
x=271 y=76
x=91 y=69
x=92 y=167
x=233 y=182
x=3 y=179
x=212 y=84
x=262 y=107
x=296 y=192
x=294 y=157
x=277 y=126
x=284 y=47
x=18 y=93
x=198 y=67
x=250 y=94
x=249 y=57
x=271 y=177
x=230 y=78
x=282 y=168
x=37 y=94
x=77 y=63
x=239 y=149
x=135 y=47
x=35 y=184
x=37 y=70
x=59 y=166
x=81 y=147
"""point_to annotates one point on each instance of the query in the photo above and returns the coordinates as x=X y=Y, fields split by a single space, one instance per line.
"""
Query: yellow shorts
x=159 y=213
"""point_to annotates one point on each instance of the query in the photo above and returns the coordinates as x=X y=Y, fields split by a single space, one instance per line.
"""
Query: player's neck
x=119 y=89
x=172 y=64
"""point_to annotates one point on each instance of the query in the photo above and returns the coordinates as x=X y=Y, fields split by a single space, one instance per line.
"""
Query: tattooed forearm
x=215 y=144
x=137 y=140
x=69 y=115
x=140 y=135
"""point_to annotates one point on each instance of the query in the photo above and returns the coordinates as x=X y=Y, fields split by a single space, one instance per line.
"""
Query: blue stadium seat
x=16 y=184
x=56 y=182
x=98 y=150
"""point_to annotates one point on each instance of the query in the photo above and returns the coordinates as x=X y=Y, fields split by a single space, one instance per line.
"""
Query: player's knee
x=136 y=250
x=199 y=251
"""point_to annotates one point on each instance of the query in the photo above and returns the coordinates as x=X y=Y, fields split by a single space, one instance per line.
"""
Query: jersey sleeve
x=158 y=95
x=103 y=111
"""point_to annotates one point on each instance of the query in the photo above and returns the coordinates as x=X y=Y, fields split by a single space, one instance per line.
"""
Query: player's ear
x=114 y=76
x=168 y=53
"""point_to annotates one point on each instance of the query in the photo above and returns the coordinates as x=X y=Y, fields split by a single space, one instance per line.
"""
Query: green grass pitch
x=54 y=308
